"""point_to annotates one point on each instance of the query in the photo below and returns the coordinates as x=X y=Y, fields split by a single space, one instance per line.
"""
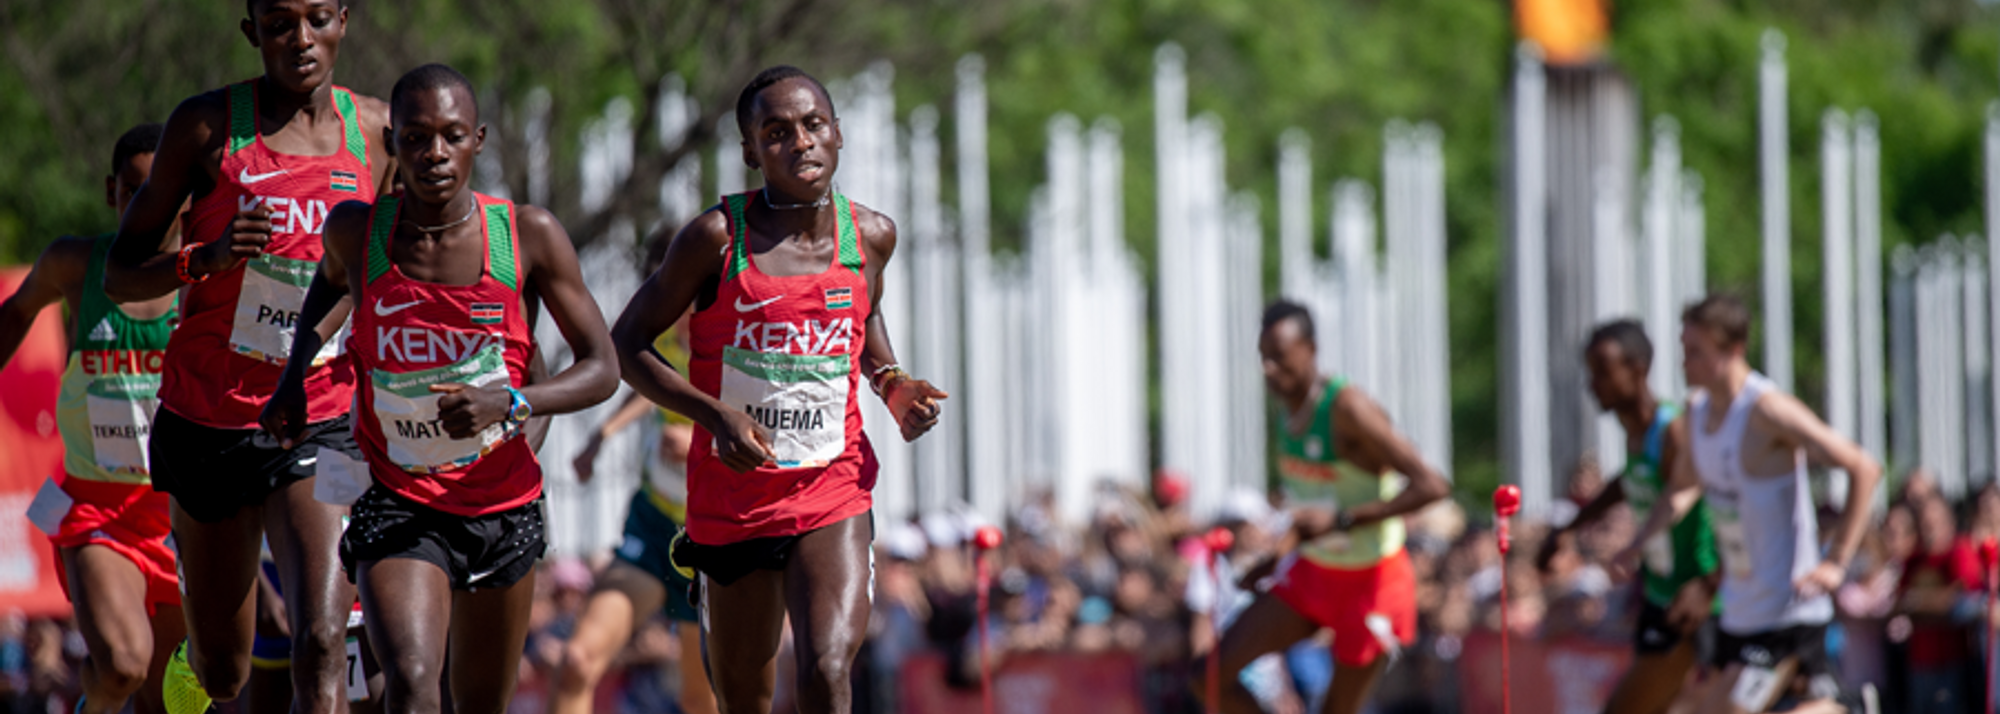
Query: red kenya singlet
x=787 y=350
x=236 y=328
x=409 y=335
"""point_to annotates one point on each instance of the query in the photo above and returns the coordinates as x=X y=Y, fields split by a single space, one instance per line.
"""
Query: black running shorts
x=495 y=550
x=212 y=473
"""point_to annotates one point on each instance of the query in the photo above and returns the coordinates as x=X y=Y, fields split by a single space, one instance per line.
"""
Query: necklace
x=469 y=212
x=1301 y=418
x=816 y=203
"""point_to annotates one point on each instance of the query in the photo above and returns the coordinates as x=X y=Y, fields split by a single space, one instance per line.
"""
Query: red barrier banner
x=1054 y=683
x=30 y=452
x=1559 y=677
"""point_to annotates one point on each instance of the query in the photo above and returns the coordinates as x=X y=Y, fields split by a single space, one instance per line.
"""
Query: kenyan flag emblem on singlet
x=486 y=313
x=839 y=298
x=344 y=181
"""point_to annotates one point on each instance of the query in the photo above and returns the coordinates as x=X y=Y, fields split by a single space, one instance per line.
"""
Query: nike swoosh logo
x=746 y=307
x=381 y=311
x=246 y=178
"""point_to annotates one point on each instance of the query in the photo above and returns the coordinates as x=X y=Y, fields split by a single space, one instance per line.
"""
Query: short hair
x=141 y=139
x=1282 y=310
x=1723 y=314
x=763 y=81
x=431 y=76
x=1629 y=336
x=250 y=7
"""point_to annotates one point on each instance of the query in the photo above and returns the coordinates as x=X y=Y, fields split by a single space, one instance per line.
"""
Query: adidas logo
x=103 y=332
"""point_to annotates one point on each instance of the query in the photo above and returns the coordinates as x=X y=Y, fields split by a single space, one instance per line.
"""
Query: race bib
x=1729 y=540
x=50 y=507
x=1660 y=553
x=1755 y=688
x=408 y=412
x=121 y=420
x=339 y=480
x=357 y=676
x=799 y=400
x=267 y=310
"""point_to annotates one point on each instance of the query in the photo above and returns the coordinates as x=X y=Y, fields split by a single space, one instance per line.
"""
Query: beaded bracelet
x=181 y=265
x=885 y=374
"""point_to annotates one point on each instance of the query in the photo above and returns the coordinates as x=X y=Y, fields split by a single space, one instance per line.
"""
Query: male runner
x=1748 y=448
x=444 y=543
x=1678 y=573
x=643 y=579
x=784 y=282
x=112 y=540
x=1344 y=568
x=264 y=160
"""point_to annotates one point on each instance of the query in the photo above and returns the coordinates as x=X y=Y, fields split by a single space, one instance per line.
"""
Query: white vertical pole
x=1527 y=310
x=1614 y=278
x=1663 y=193
x=935 y=312
x=1354 y=249
x=1837 y=281
x=1870 y=402
x=1993 y=252
x=1690 y=260
x=1978 y=363
x=1180 y=447
x=1295 y=253
x=730 y=173
x=1773 y=153
x=1906 y=406
x=1952 y=353
x=1243 y=380
x=1399 y=378
x=1123 y=453
x=1437 y=345
x=536 y=131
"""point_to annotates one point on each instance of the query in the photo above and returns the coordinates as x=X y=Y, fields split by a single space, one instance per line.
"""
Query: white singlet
x=1765 y=528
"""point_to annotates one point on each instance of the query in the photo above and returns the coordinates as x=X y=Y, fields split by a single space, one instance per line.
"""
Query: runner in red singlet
x=444 y=543
x=264 y=160
x=117 y=565
x=784 y=282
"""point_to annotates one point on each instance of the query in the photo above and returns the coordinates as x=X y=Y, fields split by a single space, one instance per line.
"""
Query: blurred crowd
x=1135 y=581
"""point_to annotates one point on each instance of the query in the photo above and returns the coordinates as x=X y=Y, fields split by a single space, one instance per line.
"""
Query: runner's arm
x=328 y=301
x=140 y=267
x=1792 y=421
x=1359 y=420
x=552 y=272
x=1681 y=491
x=61 y=264
x=914 y=402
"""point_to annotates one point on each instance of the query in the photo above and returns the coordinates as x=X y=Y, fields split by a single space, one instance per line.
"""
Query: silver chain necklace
x=816 y=203
x=427 y=230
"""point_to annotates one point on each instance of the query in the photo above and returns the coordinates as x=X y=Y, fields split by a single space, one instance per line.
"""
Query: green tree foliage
x=79 y=71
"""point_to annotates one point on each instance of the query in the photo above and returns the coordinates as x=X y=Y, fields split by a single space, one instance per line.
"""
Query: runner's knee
x=223 y=674
x=120 y=672
x=324 y=645
x=581 y=666
x=830 y=672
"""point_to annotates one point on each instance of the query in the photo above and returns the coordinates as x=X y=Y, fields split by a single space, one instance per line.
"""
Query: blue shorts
x=649 y=536
x=271 y=652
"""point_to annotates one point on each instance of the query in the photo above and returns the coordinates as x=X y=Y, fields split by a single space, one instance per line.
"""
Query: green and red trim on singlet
x=210 y=378
x=787 y=350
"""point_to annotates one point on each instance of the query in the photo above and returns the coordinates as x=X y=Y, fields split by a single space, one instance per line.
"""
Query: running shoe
x=182 y=692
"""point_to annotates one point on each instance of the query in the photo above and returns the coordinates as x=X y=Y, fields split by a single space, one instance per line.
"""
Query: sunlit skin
x=128 y=649
x=1363 y=436
x=413 y=615
x=1780 y=429
x=299 y=41
x=792 y=136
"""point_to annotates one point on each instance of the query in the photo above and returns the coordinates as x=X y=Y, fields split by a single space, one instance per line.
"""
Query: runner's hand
x=247 y=236
x=1691 y=605
x=741 y=443
x=465 y=410
x=1624 y=566
x=284 y=416
x=1823 y=579
x=915 y=404
x=585 y=463
x=1551 y=547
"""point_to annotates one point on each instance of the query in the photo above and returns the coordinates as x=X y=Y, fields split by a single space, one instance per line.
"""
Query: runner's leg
x=169 y=628
x=696 y=696
x=1268 y=625
x=614 y=610
x=1351 y=686
x=270 y=690
x=408 y=607
x=826 y=592
x=305 y=541
x=489 y=632
x=742 y=623
x=219 y=585
x=109 y=595
x=1650 y=686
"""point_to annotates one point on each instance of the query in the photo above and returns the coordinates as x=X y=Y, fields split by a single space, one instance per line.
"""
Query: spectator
x=1937 y=583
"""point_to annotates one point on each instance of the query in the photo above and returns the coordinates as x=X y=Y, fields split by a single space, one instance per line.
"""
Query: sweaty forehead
x=260 y=7
x=442 y=104
x=791 y=98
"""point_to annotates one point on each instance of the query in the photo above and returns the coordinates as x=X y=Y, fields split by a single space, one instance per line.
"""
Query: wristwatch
x=518 y=413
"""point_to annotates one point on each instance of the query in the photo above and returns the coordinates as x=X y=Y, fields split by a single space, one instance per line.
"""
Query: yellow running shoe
x=182 y=690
